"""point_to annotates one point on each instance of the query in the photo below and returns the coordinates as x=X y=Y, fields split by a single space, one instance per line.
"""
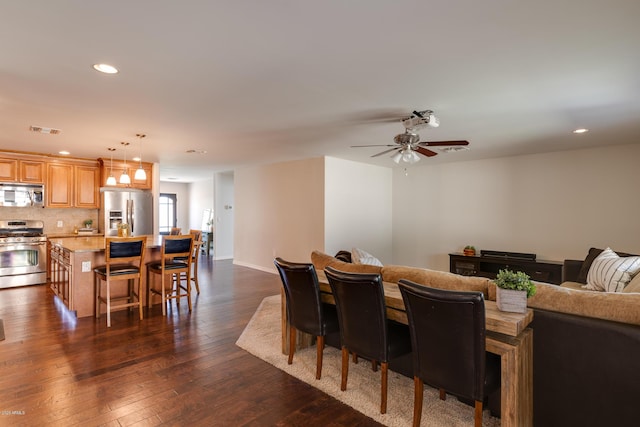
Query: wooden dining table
x=507 y=335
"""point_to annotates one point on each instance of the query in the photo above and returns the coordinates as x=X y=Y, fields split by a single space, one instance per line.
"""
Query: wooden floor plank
x=183 y=369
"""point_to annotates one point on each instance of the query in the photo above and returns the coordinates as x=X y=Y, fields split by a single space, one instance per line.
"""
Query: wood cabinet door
x=8 y=170
x=87 y=187
x=59 y=186
x=32 y=172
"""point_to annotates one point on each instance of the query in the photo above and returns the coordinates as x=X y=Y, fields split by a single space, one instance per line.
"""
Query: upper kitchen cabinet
x=87 y=180
x=119 y=167
x=73 y=185
x=28 y=171
x=59 y=186
x=32 y=171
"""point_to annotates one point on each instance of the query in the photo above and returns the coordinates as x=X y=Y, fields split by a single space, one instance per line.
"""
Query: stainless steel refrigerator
x=126 y=205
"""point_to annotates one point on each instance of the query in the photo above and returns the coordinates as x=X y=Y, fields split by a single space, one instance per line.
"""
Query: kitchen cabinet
x=32 y=171
x=118 y=168
x=59 y=186
x=87 y=187
x=28 y=171
x=72 y=185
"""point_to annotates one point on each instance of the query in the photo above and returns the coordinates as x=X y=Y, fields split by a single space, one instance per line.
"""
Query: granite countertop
x=94 y=243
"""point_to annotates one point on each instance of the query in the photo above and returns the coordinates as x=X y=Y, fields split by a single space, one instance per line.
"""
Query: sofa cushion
x=610 y=272
x=586 y=265
x=358 y=256
x=320 y=260
x=618 y=307
x=435 y=279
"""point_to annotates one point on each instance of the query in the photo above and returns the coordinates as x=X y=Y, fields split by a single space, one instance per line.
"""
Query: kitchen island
x=70 y=270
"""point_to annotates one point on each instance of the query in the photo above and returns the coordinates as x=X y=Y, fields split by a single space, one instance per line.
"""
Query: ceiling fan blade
x=386 y=151
x=442 y=143
x=377 y=145
x=426 y=152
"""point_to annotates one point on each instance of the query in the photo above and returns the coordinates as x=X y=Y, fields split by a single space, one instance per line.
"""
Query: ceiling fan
x=407 y=144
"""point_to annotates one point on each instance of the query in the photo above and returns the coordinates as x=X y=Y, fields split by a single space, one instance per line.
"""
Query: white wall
x=201 y=195
x=224 y=215
x=279 y=211
x=556 y=205
x=358 y=208
x=181 y=190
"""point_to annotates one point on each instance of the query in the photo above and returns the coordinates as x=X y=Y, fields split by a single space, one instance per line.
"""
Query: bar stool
x=175 y=259
x=123 y=261
x=197 y=242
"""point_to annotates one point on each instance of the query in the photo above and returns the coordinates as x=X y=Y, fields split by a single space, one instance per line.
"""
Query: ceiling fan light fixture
x=433 y=121
x=397 y=157
x=410 y=157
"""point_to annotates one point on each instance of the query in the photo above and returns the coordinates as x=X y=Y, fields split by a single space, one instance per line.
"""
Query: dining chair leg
x=108 y=303
x=319 y=350
x=478 y=414
x=355 y=358
x=194 y=278
x=188 y=286
x=443 y=394
x=418 y=395
x=140 y=297
x=374 y=366
x=345 y=368
x=164 y=299
x=292 y=343
x=384 y=367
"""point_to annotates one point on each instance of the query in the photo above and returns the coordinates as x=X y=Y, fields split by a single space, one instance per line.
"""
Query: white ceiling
x=264 y=81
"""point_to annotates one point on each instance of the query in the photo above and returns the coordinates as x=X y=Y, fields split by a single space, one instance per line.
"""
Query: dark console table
x=488 y=266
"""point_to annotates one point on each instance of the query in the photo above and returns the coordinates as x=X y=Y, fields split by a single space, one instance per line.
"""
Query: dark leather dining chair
x=364 y=328
x=448 y=338
x=305 y=311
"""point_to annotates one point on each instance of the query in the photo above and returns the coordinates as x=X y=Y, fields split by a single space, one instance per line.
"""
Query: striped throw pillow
x=611 y=273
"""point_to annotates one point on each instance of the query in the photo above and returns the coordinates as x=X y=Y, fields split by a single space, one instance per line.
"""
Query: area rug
x=262 y=338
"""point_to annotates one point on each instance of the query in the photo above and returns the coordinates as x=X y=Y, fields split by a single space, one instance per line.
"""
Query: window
x=167 y=212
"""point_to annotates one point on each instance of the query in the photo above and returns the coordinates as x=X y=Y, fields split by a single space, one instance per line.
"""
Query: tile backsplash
x=70 y=217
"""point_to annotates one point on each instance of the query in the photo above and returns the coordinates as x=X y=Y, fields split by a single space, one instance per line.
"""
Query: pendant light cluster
x=125 y=179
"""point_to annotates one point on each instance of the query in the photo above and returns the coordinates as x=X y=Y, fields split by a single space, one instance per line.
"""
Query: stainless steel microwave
x=12 y=194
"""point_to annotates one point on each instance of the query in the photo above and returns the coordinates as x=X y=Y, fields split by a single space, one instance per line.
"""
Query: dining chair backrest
x=177 y=246
x=448 y=337
x=302 y=293
x=361 y=312
x=125 y=250
x=175 y=231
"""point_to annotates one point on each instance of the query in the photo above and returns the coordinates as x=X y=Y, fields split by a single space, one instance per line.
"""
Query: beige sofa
x=586 y=344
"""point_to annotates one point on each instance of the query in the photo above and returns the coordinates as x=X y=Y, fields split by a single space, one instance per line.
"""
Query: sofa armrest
x=571 y=270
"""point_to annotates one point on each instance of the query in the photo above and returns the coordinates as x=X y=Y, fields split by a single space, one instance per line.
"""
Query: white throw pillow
x=634 y=285
x=611 y=273
x=358 y=256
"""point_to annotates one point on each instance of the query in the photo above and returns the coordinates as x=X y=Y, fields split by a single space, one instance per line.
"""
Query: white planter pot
x=511 y=301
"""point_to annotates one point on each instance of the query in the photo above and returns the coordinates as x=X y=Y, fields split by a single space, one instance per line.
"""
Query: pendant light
x=124 y=178
x=111 y=180
x=140 y=174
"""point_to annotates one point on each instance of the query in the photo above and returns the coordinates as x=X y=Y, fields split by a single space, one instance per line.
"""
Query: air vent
x=40 y=129
x=196 y=151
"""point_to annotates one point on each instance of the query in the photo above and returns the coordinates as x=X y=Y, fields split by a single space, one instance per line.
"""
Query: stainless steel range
x=23 y=253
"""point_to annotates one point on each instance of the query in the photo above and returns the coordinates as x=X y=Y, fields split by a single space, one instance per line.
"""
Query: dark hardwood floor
x=183 y=369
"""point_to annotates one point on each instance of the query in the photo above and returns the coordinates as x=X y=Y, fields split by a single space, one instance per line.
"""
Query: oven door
x=22 y=264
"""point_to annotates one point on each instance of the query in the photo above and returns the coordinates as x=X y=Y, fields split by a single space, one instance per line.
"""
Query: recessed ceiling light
x=105 y=68
x=581 y=130
x=64 y=152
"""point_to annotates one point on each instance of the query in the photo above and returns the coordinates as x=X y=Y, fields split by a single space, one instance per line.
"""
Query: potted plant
x=469 y=250
x=87 y=223
x=513 y=289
